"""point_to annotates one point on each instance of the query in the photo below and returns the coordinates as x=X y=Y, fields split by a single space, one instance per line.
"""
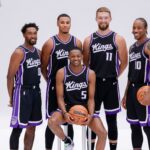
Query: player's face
x=138 y=30
x=31 y=35
x=103 y=19
x=64 y=24
x=75 y=57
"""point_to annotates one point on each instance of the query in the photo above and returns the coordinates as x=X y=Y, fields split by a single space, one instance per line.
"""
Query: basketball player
x=138 y=75
x=55 y=56
x=76 y=83
x=106 y=53
x=24 y=92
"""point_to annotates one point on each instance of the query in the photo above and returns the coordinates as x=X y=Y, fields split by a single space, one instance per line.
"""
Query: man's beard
x=30 y=42
x=103 y=28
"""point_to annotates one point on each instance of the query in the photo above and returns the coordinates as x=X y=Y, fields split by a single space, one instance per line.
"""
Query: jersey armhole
x=24 y=57
x=114 y=40
x=65 y=73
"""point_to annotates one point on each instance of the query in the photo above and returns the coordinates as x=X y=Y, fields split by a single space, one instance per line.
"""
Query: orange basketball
x=143 y=95
x=79 y=114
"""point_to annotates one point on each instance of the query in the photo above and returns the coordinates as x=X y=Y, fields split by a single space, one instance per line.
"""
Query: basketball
x=79 y=114
x=143 y=95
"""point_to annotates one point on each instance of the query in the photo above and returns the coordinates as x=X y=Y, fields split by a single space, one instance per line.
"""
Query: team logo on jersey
x=60 y=54
x=97 y=47
x=32 y=63
x=71 y=85
x=134 y=56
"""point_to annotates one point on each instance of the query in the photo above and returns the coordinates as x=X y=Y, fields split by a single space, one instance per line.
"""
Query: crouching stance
x=75 y=85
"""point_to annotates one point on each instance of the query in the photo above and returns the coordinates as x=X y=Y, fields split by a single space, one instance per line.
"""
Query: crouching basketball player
x=75 y=85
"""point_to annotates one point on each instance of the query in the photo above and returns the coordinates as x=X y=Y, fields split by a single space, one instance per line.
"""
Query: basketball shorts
x=26 y=107
x=107 y=92
x=136 y=113
x=51 y=98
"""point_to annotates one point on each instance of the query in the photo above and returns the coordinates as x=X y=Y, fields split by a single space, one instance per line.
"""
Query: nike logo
x=68 y=76
x=57 y=44
x=94 y=38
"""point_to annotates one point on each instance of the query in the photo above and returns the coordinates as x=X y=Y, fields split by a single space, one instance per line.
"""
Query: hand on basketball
x=68 y=118
x=87 y=120
x=123 y=102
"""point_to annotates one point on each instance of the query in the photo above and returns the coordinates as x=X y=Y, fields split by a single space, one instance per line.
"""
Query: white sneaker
x=69 y=146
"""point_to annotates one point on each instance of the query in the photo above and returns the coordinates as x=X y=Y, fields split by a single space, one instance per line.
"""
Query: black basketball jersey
x=104 y=56
x=76 y=86
x=29 y=71
x=59 y=55
x=139 y=65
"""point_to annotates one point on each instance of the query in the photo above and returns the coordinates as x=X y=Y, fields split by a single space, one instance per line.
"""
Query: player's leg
x=97 y=127
x=136 y=136
x=112 y=107
x=112 y=130
x=14 y=138
x=147 y=132
x=98 y=101
x=49 y=138
x=29 y=138
x=54 y=123
x=51 y=106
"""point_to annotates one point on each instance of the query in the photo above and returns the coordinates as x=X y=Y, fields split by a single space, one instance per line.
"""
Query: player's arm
x=91 y=91
x=79 y=43
x=123 y=102
x=86 y=51
x=147 y=49
x=45 y=56
x=60 y=89
x=122 y=52
x=15 y=61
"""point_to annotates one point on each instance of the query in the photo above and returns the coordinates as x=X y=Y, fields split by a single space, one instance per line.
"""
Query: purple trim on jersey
x=65 y=74
x=47 y=98
x=113 y=111
x=117 y=63
x=87 y=75
x=147 y=65
x=95 y=116
x=91 y=40
x=103 y=36
x=19 y=74
x=16 y=107
x=50 y=59
x=70 y=38
x=147 y=71
x=83 y=69
x=114 y=37
x=32 y=51
x=117 y=55
x=75 y=42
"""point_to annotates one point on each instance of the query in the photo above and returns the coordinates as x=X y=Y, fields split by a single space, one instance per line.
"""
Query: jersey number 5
x=83 y=94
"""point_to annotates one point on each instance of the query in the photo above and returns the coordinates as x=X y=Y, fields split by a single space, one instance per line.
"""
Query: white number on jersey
x=138 y=65
x=108 y=56
x=83 y=94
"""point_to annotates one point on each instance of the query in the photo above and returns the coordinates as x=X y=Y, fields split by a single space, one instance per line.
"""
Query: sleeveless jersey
x=139 y=65
x=76 y=87
x=29 y=71
x=59 y=55
x=104 y=56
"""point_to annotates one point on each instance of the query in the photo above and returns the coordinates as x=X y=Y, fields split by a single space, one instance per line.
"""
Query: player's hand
x=68 y=118
x=10 y=104
x=123 y=102
x=87 y=120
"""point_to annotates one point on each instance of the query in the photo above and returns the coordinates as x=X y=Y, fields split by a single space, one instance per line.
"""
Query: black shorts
x=107 y=91
x=136 y=113
x=26 y=107
x=51 y=98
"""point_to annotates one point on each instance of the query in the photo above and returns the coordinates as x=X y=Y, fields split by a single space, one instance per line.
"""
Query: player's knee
x=30 y=130
x=102 y=134
x=52 y=122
